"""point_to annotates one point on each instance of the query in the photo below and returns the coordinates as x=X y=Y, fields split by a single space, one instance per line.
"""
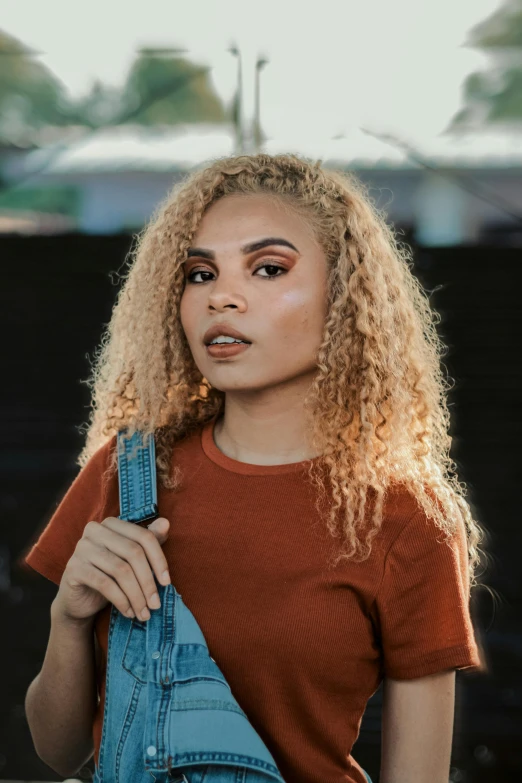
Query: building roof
x=182 y=147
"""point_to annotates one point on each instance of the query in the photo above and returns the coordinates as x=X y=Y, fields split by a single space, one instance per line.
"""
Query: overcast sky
x=389 y=65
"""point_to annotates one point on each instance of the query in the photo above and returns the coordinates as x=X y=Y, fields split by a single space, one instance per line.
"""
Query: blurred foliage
x=159 y=88
x=30 y=95
x=495 y=96
x=183 y=92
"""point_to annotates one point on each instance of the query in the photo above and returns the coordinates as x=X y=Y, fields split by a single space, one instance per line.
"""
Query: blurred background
x=104 y=106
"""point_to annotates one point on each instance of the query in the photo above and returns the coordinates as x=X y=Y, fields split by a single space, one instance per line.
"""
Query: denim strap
x=137 y=477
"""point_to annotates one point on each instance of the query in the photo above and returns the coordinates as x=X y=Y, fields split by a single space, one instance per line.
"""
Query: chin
x=228 y=386
x=239 y=379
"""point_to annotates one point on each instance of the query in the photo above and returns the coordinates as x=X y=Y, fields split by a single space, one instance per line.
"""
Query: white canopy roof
x=167 y=149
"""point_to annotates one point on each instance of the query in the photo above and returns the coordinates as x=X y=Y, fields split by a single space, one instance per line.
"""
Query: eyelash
x=206 y=271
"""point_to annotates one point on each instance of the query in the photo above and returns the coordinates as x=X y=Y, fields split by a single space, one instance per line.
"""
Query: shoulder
x=92 y=496
x=399 y=508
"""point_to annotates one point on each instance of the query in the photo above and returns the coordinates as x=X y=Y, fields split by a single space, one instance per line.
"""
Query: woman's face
x=275 y=295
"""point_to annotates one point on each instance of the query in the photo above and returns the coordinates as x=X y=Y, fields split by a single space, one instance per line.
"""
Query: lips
x=224 y=350
x=223 y=329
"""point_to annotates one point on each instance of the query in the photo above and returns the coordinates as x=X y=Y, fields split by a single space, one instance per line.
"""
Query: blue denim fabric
x=169 y=712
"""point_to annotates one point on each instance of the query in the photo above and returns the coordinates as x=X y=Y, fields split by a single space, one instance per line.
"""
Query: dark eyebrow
x=251 y=248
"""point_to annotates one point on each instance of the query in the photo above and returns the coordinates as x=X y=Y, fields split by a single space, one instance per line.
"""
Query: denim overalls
x=169 y=713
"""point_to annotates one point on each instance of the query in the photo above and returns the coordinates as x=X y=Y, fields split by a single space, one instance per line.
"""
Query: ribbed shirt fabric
x=302 y=645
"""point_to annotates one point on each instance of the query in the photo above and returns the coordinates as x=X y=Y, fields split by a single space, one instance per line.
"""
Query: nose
x=224 y=297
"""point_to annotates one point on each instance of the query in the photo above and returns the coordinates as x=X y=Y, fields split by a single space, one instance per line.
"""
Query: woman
x=314 y=527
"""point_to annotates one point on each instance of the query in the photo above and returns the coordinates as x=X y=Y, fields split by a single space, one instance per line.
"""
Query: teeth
x=225 y=339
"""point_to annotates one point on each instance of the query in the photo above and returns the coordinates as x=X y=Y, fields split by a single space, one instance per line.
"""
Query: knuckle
x=80 y=550
x=101 y=581
x=148 y=535
x=135 y=549
x=85 y=540
x=122 y=568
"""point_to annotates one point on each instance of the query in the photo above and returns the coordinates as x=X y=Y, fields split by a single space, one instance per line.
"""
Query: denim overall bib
x=169 y=715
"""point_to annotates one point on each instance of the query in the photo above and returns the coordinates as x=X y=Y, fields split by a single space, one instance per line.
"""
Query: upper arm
x=417 y=728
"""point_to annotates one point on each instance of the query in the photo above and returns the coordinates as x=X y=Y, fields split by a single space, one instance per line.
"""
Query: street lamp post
x=238 y=116
x=257 y=136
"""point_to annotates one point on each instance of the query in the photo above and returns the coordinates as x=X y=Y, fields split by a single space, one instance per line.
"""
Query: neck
x=268 y=431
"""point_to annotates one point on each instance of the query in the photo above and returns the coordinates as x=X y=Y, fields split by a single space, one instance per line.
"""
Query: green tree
x=169 y=90
x=31 y=97
x=495 y=96
x=99 y=107
x=158 y=89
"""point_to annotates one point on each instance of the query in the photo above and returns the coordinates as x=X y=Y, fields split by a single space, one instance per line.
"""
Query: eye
x=271 y=266
x=190 y=277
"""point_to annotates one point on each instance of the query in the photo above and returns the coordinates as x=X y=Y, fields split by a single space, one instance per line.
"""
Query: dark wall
x=58 y=294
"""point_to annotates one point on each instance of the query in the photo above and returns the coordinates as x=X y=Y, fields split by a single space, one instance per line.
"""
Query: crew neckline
x=245 y=468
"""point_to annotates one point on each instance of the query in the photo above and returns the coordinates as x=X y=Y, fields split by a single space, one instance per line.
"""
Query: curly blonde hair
x=377 y=405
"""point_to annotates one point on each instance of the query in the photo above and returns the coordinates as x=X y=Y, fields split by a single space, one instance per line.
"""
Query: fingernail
x=145 y=615
x=130 y=613
x=155 y=601
x=165 y=577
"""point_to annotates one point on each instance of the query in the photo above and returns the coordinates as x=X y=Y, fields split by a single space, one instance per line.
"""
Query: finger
x=88 y=574
x=147 y=539
x=123 y=573
x=142 y=551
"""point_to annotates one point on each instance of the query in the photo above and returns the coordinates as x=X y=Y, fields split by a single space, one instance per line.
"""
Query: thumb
x=160 y=527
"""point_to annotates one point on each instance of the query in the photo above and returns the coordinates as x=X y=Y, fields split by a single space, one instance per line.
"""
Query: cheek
x=295 y=313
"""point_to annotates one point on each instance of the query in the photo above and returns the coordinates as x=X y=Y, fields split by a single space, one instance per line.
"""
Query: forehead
x=237 y=218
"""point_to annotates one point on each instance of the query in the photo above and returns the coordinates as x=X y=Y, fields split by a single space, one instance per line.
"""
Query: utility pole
x=238 y=103
x=256 y=133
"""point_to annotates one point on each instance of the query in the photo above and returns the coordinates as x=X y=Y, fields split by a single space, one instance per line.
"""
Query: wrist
x=61 y=619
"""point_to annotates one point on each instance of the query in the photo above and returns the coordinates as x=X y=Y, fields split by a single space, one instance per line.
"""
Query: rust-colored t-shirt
x=302 y=646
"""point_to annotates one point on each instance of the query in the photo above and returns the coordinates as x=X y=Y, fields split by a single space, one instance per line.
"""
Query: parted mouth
x=223 y=329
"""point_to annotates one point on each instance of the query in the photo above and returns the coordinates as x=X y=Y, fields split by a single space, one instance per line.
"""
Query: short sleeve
x=422 y=604
x=86 y=499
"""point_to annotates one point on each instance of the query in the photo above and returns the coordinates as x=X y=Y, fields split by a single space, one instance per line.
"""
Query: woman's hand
x=113 y=561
